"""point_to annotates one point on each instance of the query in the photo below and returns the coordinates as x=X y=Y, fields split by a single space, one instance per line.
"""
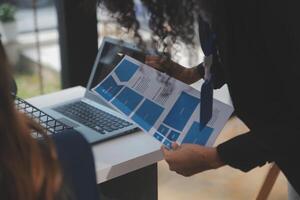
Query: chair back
x=78 y=166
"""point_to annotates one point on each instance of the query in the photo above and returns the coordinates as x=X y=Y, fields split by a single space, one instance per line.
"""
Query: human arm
x=187 y=75
x=175 y=70
x=244 y=152
x=190 y=159
x=276 y=142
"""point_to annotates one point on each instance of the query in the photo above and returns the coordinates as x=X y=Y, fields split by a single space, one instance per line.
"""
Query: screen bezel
x=88 y=93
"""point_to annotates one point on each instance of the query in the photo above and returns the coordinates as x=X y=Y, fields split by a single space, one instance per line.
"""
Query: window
x=31 y=42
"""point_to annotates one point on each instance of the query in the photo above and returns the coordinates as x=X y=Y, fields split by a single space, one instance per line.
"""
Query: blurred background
x=30 y=33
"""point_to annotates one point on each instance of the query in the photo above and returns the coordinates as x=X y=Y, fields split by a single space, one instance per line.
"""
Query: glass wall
x=31 y=42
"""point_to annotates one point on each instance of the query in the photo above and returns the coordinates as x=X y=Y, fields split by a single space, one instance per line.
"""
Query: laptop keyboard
x=96 y=119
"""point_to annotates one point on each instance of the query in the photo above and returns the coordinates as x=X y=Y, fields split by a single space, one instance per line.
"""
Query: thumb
x=166 y=152
x=175 y=146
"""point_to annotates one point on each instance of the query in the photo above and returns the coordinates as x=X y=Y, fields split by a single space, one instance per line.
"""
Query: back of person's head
x=29 y=170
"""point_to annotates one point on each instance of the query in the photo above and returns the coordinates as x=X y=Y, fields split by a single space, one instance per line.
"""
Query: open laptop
x=90 y=115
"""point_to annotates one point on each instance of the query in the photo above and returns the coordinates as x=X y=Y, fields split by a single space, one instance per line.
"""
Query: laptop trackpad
x=68 y=122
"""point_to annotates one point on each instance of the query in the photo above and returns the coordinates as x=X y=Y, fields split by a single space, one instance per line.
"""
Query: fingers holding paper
x=156 y=62
x=190 y=159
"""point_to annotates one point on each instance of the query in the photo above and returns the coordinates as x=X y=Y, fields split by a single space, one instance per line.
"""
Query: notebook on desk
x=90 y=115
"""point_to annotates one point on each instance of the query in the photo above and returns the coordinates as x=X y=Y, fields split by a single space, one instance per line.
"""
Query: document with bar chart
x=161 y=106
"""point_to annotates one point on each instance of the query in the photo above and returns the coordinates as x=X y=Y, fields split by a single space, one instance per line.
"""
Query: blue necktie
x=206 y=100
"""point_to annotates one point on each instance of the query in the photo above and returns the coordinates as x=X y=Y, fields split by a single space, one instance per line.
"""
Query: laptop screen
x=110 y=54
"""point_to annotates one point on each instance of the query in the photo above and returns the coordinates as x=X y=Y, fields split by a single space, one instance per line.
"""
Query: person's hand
x=177 y=71
x=190 y=159
x=160 y=63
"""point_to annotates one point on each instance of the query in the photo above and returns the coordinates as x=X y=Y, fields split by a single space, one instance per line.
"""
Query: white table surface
x=114 y=157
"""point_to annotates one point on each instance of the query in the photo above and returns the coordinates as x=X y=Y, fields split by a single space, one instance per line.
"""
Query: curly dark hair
x=174 y=19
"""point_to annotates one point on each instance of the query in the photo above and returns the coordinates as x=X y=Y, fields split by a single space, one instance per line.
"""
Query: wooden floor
x=224 y=184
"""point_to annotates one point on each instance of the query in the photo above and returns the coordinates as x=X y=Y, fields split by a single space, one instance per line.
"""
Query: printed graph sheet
x=161 y=106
